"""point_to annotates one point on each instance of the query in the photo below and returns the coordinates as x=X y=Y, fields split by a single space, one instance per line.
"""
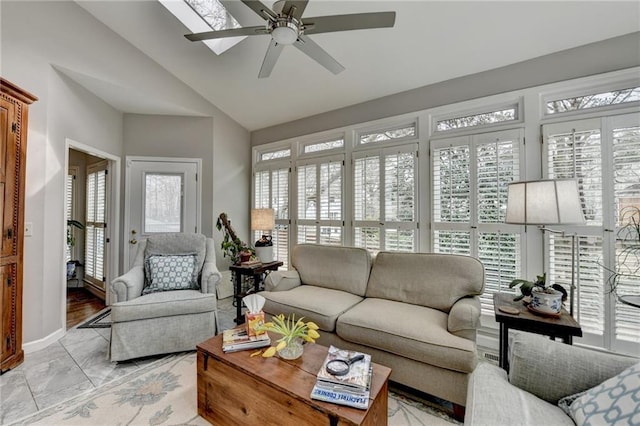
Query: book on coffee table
x=237 y=339
x=351 y=389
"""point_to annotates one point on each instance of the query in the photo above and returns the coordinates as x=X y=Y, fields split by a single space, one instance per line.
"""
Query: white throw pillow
x=616 y=401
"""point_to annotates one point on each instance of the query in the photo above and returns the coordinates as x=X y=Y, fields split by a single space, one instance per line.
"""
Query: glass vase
x=293 y=350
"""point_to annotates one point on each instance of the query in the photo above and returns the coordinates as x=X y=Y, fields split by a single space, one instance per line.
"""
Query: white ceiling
x=430 y=42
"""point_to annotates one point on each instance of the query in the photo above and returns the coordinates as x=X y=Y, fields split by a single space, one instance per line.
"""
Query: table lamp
x=547 y=202
x=263 y=220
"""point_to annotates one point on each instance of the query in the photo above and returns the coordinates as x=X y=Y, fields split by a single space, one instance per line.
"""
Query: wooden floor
x=81 y=304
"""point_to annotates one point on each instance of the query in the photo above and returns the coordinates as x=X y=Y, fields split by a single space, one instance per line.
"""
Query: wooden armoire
x=13 y=149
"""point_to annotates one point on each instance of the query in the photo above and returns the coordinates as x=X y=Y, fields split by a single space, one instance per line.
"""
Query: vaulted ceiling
x=431 y=42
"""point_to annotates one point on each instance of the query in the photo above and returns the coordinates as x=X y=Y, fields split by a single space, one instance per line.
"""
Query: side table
x=564 y=327
x=255 y=272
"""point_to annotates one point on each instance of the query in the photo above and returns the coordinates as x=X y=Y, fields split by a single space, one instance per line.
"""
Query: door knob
x=133 y=241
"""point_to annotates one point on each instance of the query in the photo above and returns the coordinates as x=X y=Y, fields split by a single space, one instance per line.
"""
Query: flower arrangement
x=291 y=331
x=539 y=285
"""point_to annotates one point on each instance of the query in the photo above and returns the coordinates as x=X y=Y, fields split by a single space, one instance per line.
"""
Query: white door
x=163 y=195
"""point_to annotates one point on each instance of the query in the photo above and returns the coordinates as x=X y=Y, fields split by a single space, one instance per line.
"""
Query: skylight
x=205 y=15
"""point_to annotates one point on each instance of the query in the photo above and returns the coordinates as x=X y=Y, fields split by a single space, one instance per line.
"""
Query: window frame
x=486 y=108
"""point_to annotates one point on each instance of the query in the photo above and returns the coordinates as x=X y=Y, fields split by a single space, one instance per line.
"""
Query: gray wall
x=596 y=58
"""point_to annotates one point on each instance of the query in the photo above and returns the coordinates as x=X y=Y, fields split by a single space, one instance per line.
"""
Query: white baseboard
x=44 y=342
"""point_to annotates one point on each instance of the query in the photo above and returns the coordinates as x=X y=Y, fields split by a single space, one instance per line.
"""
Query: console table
x=564 y=327
x=255 y=272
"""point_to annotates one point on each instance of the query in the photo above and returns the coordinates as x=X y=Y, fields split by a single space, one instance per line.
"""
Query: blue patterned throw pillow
x=170 y=272
x=615 y=401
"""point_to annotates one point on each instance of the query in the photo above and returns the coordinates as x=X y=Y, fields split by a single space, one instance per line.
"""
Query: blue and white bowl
x=546 y=302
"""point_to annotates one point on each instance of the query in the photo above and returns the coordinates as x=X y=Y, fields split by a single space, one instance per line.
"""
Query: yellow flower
x=308 y=339
x=281 y=346
x=269 y=352
x=256 y=353
x=313 y=334
x=312 y=325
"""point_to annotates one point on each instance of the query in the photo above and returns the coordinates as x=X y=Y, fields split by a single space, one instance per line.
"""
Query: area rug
x=164 y=392
x=100 y=320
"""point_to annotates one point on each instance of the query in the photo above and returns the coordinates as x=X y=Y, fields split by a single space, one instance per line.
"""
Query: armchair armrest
x=210 y=277
x=128 y=286
x=552 y=370
x=464 y=317
x=282 y=280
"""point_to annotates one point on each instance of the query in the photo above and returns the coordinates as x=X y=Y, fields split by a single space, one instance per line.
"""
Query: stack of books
x=351 y=389
x=251 y=263
x=237 y=339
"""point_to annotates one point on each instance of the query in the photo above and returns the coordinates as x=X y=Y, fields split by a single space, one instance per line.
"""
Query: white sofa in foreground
x=414 y=312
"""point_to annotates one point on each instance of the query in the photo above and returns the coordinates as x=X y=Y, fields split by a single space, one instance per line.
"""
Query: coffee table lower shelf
x=237 y=389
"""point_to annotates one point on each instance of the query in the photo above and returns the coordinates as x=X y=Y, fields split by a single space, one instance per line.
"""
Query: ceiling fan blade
x=270 y=59
x=259 y=8
x=356 y=21
x=298 y=6
x=318 y=54
x=235 y=32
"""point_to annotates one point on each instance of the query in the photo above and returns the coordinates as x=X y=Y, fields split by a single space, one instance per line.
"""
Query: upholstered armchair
x=167 y=301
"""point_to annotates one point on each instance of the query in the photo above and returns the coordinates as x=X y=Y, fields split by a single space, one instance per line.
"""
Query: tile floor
x=74 y=364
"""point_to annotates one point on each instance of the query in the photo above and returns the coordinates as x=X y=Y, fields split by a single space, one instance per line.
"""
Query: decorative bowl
x=546 y=302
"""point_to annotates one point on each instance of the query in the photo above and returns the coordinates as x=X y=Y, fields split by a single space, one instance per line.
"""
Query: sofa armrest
x=552 y=370
x=210 y=277
x=492 y=400
x=128 y=286
x=464 y=317
x=282 y=280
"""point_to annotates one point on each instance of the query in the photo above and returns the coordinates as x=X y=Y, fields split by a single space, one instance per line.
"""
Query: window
x=385 y=200
x=205 y=15
x=95 y=227
x=320 y=201
x=271 y=188
x=393 y=134
x=470 y=177
x=593 y=100
x=323 y=146
x=604 y=155
x=480 y=119
x=70 y=203
x=274 y=155
x=163 y=202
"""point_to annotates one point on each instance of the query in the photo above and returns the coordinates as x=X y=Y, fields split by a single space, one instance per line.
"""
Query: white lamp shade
x=262 y=220
x=544 y=202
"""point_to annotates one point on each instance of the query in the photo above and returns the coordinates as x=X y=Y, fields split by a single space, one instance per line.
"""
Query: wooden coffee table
x=236 y=389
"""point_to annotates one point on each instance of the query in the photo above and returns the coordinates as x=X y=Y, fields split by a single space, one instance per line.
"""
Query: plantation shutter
x=469 y=213
x=69 y=190
x=366 y=197
x=95 y=227
x=320 y=205
x=271 y=188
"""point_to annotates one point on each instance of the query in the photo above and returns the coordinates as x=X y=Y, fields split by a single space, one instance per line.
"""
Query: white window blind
x=604 y=155
x=271 y=188
x=470 y=178
x=385 y=199
x=95 y=226
x=69 y=202
x=320 y=205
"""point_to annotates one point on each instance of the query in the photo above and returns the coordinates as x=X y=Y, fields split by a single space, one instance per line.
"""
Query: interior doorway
x=90 y=263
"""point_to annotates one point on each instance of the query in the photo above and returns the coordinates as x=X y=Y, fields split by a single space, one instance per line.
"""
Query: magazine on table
x=359 y=374
x=237 y=339
x=343 y=395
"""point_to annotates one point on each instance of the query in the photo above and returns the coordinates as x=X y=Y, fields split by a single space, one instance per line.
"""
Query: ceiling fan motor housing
x=285 y=30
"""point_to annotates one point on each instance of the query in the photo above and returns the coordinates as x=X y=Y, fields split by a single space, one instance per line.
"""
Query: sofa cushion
x=163 y=304
x=412 y=331
x=170 y=272
x=317 y=304
x=427 y=279
x=492 y=400
x=336 y=267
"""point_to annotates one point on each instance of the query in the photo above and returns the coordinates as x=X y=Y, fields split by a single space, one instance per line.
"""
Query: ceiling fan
x=286 y=26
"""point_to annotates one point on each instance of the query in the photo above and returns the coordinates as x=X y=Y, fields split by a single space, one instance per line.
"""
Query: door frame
x=113 y=215
x=127 y=182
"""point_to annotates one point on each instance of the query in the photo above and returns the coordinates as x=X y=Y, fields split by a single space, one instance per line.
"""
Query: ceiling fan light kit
x=286 y=27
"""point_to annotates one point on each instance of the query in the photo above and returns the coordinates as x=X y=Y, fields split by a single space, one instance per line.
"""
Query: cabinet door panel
x=8 y=155
x=8 y=283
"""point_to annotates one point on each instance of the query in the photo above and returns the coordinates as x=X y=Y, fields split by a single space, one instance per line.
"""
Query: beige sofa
x=414 y=312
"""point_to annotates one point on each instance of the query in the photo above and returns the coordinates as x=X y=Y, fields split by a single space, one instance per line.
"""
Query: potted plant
x=71 y=241
x=232 y=246
x=539 y=296
x=294 y=333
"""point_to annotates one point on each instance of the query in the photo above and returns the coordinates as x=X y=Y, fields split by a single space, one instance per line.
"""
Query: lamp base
x=265 y=253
